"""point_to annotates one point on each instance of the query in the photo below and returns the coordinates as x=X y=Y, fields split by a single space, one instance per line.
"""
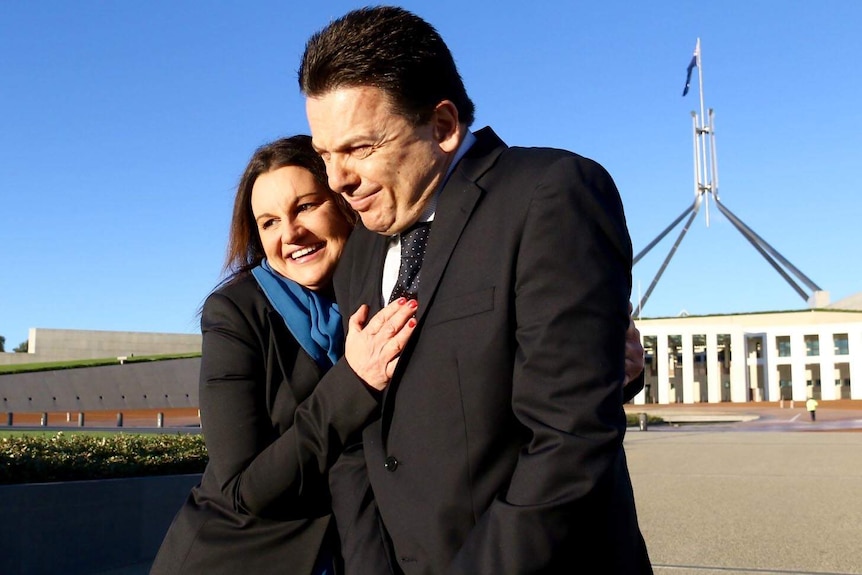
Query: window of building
x=812 y=345
x=724 y=351
x=841 y=345
x=783 y=344
x=650 y=343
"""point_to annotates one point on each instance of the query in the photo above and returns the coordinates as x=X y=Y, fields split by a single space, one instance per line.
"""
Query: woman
x=274 y=412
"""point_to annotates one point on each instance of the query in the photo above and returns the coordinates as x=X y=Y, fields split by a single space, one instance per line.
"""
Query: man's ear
x=447 y=131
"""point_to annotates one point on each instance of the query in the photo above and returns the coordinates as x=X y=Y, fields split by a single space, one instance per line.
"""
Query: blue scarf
x=313 y=320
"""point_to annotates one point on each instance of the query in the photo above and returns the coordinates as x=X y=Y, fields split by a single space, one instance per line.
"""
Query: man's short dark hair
x=391 y=49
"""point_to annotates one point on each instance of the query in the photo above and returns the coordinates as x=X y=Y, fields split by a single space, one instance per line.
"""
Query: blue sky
x=126 y=125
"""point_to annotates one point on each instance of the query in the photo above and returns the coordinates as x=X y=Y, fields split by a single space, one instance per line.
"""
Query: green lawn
x=71 y=364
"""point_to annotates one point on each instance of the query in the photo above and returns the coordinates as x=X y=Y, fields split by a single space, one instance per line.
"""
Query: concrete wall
x=145 y=385
x=87 y=526
x=64 y=344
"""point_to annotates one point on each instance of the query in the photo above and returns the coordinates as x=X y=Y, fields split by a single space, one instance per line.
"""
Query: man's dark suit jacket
x=499 y=449
x=272 y=432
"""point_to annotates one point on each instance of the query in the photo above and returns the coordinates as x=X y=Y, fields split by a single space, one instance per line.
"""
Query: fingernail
x=413 y=303
x=411 y=323
x=402 y=300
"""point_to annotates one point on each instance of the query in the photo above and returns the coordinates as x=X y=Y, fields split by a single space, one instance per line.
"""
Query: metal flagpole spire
x=705 y=185
x=706 y=171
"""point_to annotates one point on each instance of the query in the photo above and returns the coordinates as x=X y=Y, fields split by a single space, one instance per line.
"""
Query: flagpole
x=704 y=128
x=699 y=79
x=706 y=184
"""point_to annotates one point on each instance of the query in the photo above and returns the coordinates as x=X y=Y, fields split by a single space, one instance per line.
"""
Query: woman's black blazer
x=273 y=425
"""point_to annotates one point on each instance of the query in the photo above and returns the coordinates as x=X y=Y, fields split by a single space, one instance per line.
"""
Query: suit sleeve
x=571 y=292
x=261 y=470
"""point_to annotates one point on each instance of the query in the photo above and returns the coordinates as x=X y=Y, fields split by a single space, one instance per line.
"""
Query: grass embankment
x=72 y=364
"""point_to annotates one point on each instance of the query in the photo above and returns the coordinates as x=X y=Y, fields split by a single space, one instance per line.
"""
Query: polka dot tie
x=413 y=243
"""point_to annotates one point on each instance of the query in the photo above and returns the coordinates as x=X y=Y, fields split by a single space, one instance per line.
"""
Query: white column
x=828 y=389
x=770 y=369
x=738 y=383
x=798 y=359
x=687 y=369
x=713 y=368
x=751 y=363
x=663 y=382
x=854 y=345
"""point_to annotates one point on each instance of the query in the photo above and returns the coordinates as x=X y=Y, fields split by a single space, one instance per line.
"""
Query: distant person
x=276 y=407
x=811 y=406
x=499 y=445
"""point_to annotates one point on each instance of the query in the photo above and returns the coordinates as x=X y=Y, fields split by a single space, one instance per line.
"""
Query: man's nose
x=342 y=179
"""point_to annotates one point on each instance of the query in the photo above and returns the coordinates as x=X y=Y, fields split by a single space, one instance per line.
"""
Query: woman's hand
x=634 y=351
x=372 y=349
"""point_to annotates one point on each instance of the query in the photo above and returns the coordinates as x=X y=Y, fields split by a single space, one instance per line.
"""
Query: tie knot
x=418 y=232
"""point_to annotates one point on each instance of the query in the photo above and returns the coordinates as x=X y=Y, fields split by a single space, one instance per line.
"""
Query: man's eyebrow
x=347 y=144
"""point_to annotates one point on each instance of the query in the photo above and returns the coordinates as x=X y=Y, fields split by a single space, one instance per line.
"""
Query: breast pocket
x=462 y=306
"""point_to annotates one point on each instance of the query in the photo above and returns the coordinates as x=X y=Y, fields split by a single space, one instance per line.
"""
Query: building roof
x=851 y=302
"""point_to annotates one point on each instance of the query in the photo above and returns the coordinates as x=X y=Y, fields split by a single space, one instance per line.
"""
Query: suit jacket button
x=391 y=464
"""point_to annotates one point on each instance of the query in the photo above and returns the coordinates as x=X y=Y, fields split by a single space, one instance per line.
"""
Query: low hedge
x=75 y=457
x=41 y=458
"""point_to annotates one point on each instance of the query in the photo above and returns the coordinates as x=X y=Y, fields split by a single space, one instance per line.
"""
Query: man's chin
x=375 y=225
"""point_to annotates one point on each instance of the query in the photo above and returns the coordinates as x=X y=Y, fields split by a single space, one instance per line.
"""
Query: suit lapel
x=457 y=201
x=298 y=368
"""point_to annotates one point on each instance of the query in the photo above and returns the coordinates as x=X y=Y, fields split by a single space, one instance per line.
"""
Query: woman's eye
x=266 y=224
x=305 y=207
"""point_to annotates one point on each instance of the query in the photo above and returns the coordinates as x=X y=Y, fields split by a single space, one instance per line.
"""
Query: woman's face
x=301 y=229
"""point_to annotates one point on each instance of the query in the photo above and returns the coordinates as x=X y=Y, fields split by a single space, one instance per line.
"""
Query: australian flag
x=695 y=61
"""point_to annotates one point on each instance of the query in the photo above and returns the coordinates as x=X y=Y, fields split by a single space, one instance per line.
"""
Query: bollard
x=81 y=419
x=642 y=421
x=44 y=420
x=119 y=420
x=9 y=418
x=160 y=420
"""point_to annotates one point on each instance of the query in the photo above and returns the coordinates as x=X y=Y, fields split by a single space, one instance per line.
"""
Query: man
x=811 y=406
x=499 y=443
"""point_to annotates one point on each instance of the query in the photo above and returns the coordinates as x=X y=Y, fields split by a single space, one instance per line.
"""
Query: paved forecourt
x=736 y=501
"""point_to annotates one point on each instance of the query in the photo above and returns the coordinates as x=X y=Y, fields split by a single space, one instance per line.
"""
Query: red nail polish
x=412 y=322
x=414 y=304
x=402 y=300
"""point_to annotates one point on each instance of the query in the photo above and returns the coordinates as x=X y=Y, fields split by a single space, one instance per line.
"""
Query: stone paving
x=751 y=496
x=720 y=488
